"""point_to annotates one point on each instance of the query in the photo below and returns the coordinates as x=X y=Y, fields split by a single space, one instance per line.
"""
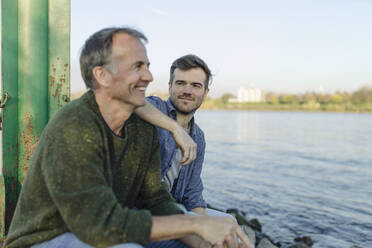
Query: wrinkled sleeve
x=154 y=193
x=193 y=196
x=74 y=171
x=157 y=103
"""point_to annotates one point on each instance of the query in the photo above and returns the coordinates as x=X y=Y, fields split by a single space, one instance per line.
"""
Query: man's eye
x=138 y=66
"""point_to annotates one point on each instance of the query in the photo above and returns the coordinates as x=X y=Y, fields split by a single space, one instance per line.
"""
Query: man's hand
x=195 y=241
x=223 y=232
x=186 y=144
x=240 y=245
x=199 y=210
x=217 y=231
x=183 y=140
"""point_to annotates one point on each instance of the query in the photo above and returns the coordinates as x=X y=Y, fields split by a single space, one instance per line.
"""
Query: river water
x=298 y=173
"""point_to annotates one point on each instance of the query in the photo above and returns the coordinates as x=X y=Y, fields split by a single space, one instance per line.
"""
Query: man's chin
x=182 y=109
x=185 y=111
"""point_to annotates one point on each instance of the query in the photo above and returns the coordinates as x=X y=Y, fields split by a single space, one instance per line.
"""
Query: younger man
x=188 y=86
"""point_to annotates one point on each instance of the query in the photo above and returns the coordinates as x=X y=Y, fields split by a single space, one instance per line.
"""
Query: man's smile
x=141 y=88
x=186 y=98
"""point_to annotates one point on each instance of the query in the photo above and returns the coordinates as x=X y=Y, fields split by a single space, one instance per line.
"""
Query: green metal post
x=36 y=36
x=32 y=78
x=9 y=63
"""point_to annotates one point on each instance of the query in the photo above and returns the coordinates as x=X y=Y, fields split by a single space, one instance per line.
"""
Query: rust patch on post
x=51 y=80
x=52 y=77
x=29 y=142
x=57 y=85
x=57 y=91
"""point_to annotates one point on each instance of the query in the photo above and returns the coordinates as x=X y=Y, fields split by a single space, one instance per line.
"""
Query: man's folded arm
x=154 y=116
x=193 y=196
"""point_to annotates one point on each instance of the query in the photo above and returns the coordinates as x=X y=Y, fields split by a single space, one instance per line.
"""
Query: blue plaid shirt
x=188 y=187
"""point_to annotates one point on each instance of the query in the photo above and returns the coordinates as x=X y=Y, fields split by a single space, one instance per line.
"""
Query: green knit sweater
x=86 y=180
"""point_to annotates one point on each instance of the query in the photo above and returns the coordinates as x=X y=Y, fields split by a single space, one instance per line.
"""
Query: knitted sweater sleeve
x=74 y=169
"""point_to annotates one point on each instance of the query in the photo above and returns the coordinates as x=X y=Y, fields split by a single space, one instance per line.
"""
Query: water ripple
x=299 y=173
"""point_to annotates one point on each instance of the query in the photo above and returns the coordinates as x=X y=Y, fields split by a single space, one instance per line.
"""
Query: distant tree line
x=342 y=101
x=362 y=95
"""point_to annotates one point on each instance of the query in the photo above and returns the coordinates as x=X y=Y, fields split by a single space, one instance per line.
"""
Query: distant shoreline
x=359 y=101
x=287 y=110
x=314 y=107
x=310 y=106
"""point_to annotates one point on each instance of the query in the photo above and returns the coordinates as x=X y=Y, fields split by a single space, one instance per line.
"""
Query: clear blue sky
x=284 y=46
x=279 y=45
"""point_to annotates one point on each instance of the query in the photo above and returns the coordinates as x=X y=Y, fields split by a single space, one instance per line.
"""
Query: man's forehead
x=123 y=37
x=193 y=74
x=125 y=41
x=124 y=44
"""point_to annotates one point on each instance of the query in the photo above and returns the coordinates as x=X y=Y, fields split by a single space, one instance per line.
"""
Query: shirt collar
x=173 y=113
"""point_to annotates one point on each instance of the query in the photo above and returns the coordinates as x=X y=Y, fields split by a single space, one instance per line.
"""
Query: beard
x=186 y=112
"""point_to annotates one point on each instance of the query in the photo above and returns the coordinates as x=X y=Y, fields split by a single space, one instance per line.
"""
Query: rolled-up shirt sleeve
x=158 y=103
x=193 y=196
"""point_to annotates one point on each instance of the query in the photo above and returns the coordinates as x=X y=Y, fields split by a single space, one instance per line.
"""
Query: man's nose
x=187 y=89
x=147 y=75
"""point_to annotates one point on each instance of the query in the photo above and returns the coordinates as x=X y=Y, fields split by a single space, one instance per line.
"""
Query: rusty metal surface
x=32 y=78
x=59 y=54
x=28 y=140
x=36 y=73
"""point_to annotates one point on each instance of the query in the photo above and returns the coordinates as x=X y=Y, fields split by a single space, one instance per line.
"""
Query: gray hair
x=188 y=62
x=97 y=51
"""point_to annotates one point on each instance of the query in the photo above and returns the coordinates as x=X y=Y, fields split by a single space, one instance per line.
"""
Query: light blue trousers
x=69 y=240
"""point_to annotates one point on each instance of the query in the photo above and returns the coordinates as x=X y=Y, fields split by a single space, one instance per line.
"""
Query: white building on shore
x=250 y=95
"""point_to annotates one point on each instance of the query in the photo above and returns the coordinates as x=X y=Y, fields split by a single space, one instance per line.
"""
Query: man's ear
x=206 y=93
x=101 y=75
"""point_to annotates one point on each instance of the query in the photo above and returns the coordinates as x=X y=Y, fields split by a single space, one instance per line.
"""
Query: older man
x=96 y=160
